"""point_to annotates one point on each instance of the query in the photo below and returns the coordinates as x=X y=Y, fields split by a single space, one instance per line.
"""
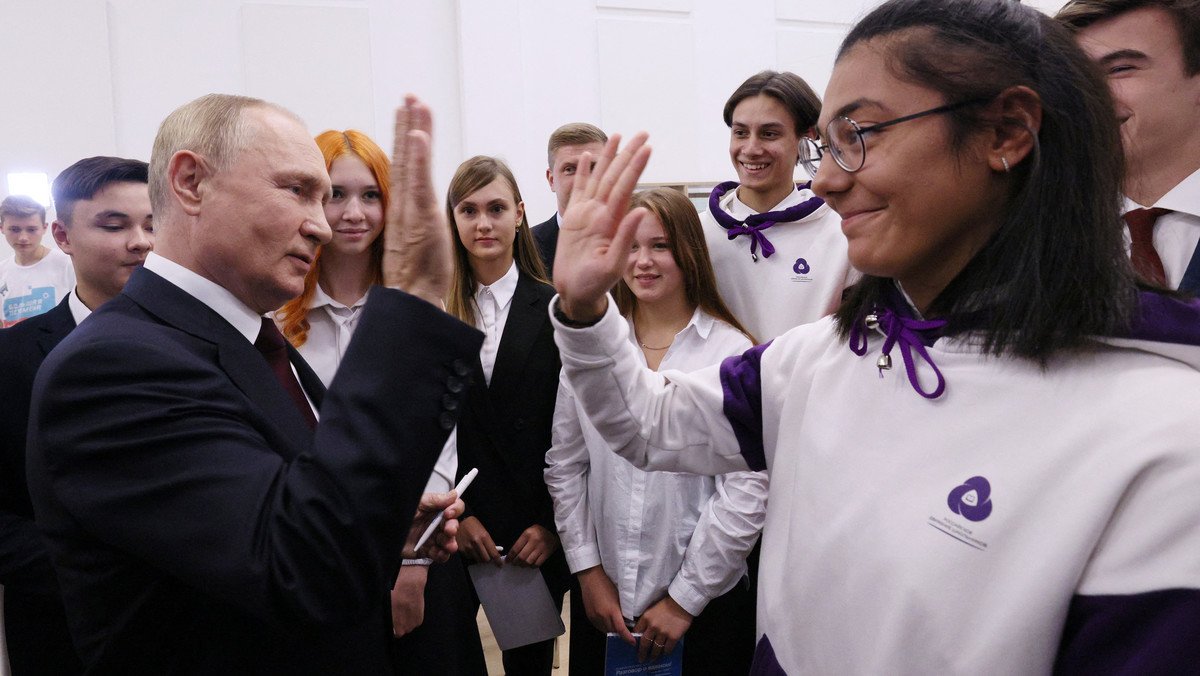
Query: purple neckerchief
x=755 y=224
x=1164 y=319
x=907 y=331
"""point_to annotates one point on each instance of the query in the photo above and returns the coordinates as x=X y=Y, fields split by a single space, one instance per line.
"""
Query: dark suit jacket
x=197 y=524
x=34 y=620
x=545 y=235
x=505 y=429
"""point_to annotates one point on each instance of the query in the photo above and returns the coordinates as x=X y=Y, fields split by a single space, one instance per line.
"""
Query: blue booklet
x=620 y=659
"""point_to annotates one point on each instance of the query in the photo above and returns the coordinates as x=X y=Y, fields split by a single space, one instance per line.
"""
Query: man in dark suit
x=567 y=145
x=1150 y=51
x=104 y=224
x=199 y=519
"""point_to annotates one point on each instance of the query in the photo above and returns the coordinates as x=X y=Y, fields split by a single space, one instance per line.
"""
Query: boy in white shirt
x=36 y=277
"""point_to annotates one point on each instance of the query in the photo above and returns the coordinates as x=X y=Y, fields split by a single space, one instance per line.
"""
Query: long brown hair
x=293 y=316
x=472 y=175
x=685 y=237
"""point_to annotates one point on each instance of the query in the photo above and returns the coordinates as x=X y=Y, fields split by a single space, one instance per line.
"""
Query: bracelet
x=571 y=323
x=416 y=562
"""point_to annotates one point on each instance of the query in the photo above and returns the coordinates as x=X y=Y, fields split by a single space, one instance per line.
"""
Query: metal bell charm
x=884 y=362
x=872 y=321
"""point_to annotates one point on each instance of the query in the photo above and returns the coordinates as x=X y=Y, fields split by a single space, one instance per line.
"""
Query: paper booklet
x=517 y=604
x=620 y=659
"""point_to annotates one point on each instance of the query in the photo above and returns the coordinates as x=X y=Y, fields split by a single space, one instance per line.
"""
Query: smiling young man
x=36 y=277
x=777 y=250
x=105 y=227
x=1150 y=52
x=567 y=145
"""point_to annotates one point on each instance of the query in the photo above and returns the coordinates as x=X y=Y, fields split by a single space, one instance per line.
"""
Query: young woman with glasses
x=987 y=460
x=779 y=256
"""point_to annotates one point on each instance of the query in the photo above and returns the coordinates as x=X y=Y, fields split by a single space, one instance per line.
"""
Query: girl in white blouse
x=321 y=320
x=660 y=553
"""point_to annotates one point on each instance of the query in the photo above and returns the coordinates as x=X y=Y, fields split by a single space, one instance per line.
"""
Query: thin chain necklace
x=639 y=340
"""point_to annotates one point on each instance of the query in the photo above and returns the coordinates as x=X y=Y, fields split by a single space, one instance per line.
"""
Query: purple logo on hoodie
x=972 y=500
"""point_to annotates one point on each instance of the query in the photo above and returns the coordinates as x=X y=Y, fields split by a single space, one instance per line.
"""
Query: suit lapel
x=525 y=319
x=58 y=323
x=236 y=356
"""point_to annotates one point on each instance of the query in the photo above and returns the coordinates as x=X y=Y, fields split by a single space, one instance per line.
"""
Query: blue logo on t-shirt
x=801 y=267
x=972 y=500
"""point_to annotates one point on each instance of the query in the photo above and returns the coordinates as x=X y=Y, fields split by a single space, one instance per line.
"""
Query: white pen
x=437 y=520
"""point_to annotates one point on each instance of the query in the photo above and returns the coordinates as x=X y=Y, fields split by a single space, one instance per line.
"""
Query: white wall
x=97 y=77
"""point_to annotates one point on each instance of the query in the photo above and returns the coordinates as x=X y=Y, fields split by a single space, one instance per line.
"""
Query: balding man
x=200 y=519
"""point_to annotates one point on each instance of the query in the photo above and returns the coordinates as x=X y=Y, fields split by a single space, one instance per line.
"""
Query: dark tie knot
x=1141 y=244
x=1141 y=221
x=270 y=340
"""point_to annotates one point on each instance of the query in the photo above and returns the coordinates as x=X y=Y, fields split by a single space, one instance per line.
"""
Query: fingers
x=432 y=503
x=588 y=188
x=623 y=171
x=417 y=171
x=399 y=144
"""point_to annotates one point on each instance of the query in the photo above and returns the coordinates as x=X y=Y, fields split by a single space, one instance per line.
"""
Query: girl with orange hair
x=321 y=320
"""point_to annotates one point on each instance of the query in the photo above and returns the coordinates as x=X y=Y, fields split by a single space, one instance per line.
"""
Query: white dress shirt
x=492 y=304
x=1177 y=234
x=79 y=311
x=654 y=532
x=218 y=299
x=330 y=326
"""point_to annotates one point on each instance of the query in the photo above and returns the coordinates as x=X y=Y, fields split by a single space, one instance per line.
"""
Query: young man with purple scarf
x=778 y=251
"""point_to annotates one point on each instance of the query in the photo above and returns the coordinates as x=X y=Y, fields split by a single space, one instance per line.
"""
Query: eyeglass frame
x=808 y=142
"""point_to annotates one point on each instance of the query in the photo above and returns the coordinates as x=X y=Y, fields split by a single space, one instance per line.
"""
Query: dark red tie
x=1141 y=244
x=274 y=349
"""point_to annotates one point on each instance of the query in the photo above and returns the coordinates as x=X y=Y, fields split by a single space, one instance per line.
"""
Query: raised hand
x=598 y=227
x=416 y=236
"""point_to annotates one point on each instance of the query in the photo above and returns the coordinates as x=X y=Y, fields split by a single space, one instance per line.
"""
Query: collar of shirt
x=700 y=325
x=502 y=289
x=79 y=311
x=246 y=321
x=320 y=298
x=1184 y=197
x=558 y=219
x=738 y=209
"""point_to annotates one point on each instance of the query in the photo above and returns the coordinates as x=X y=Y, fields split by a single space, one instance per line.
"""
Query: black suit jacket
x=197 y=524
x=505 y=430
x=545 y=235
x=34 y=619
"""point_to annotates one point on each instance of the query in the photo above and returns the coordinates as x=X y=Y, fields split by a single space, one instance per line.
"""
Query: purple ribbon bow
x=755 y=224
x=906 y=332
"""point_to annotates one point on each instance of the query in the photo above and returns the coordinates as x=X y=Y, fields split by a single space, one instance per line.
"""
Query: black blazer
x=505 y=429
x=34 y=620
x=545 y=236
x=197 y=524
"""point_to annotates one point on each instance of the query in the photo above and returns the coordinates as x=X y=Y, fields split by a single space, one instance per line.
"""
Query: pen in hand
x=437 y=520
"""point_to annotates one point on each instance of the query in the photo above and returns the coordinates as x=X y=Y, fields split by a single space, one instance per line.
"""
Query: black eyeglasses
x=844 y=139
